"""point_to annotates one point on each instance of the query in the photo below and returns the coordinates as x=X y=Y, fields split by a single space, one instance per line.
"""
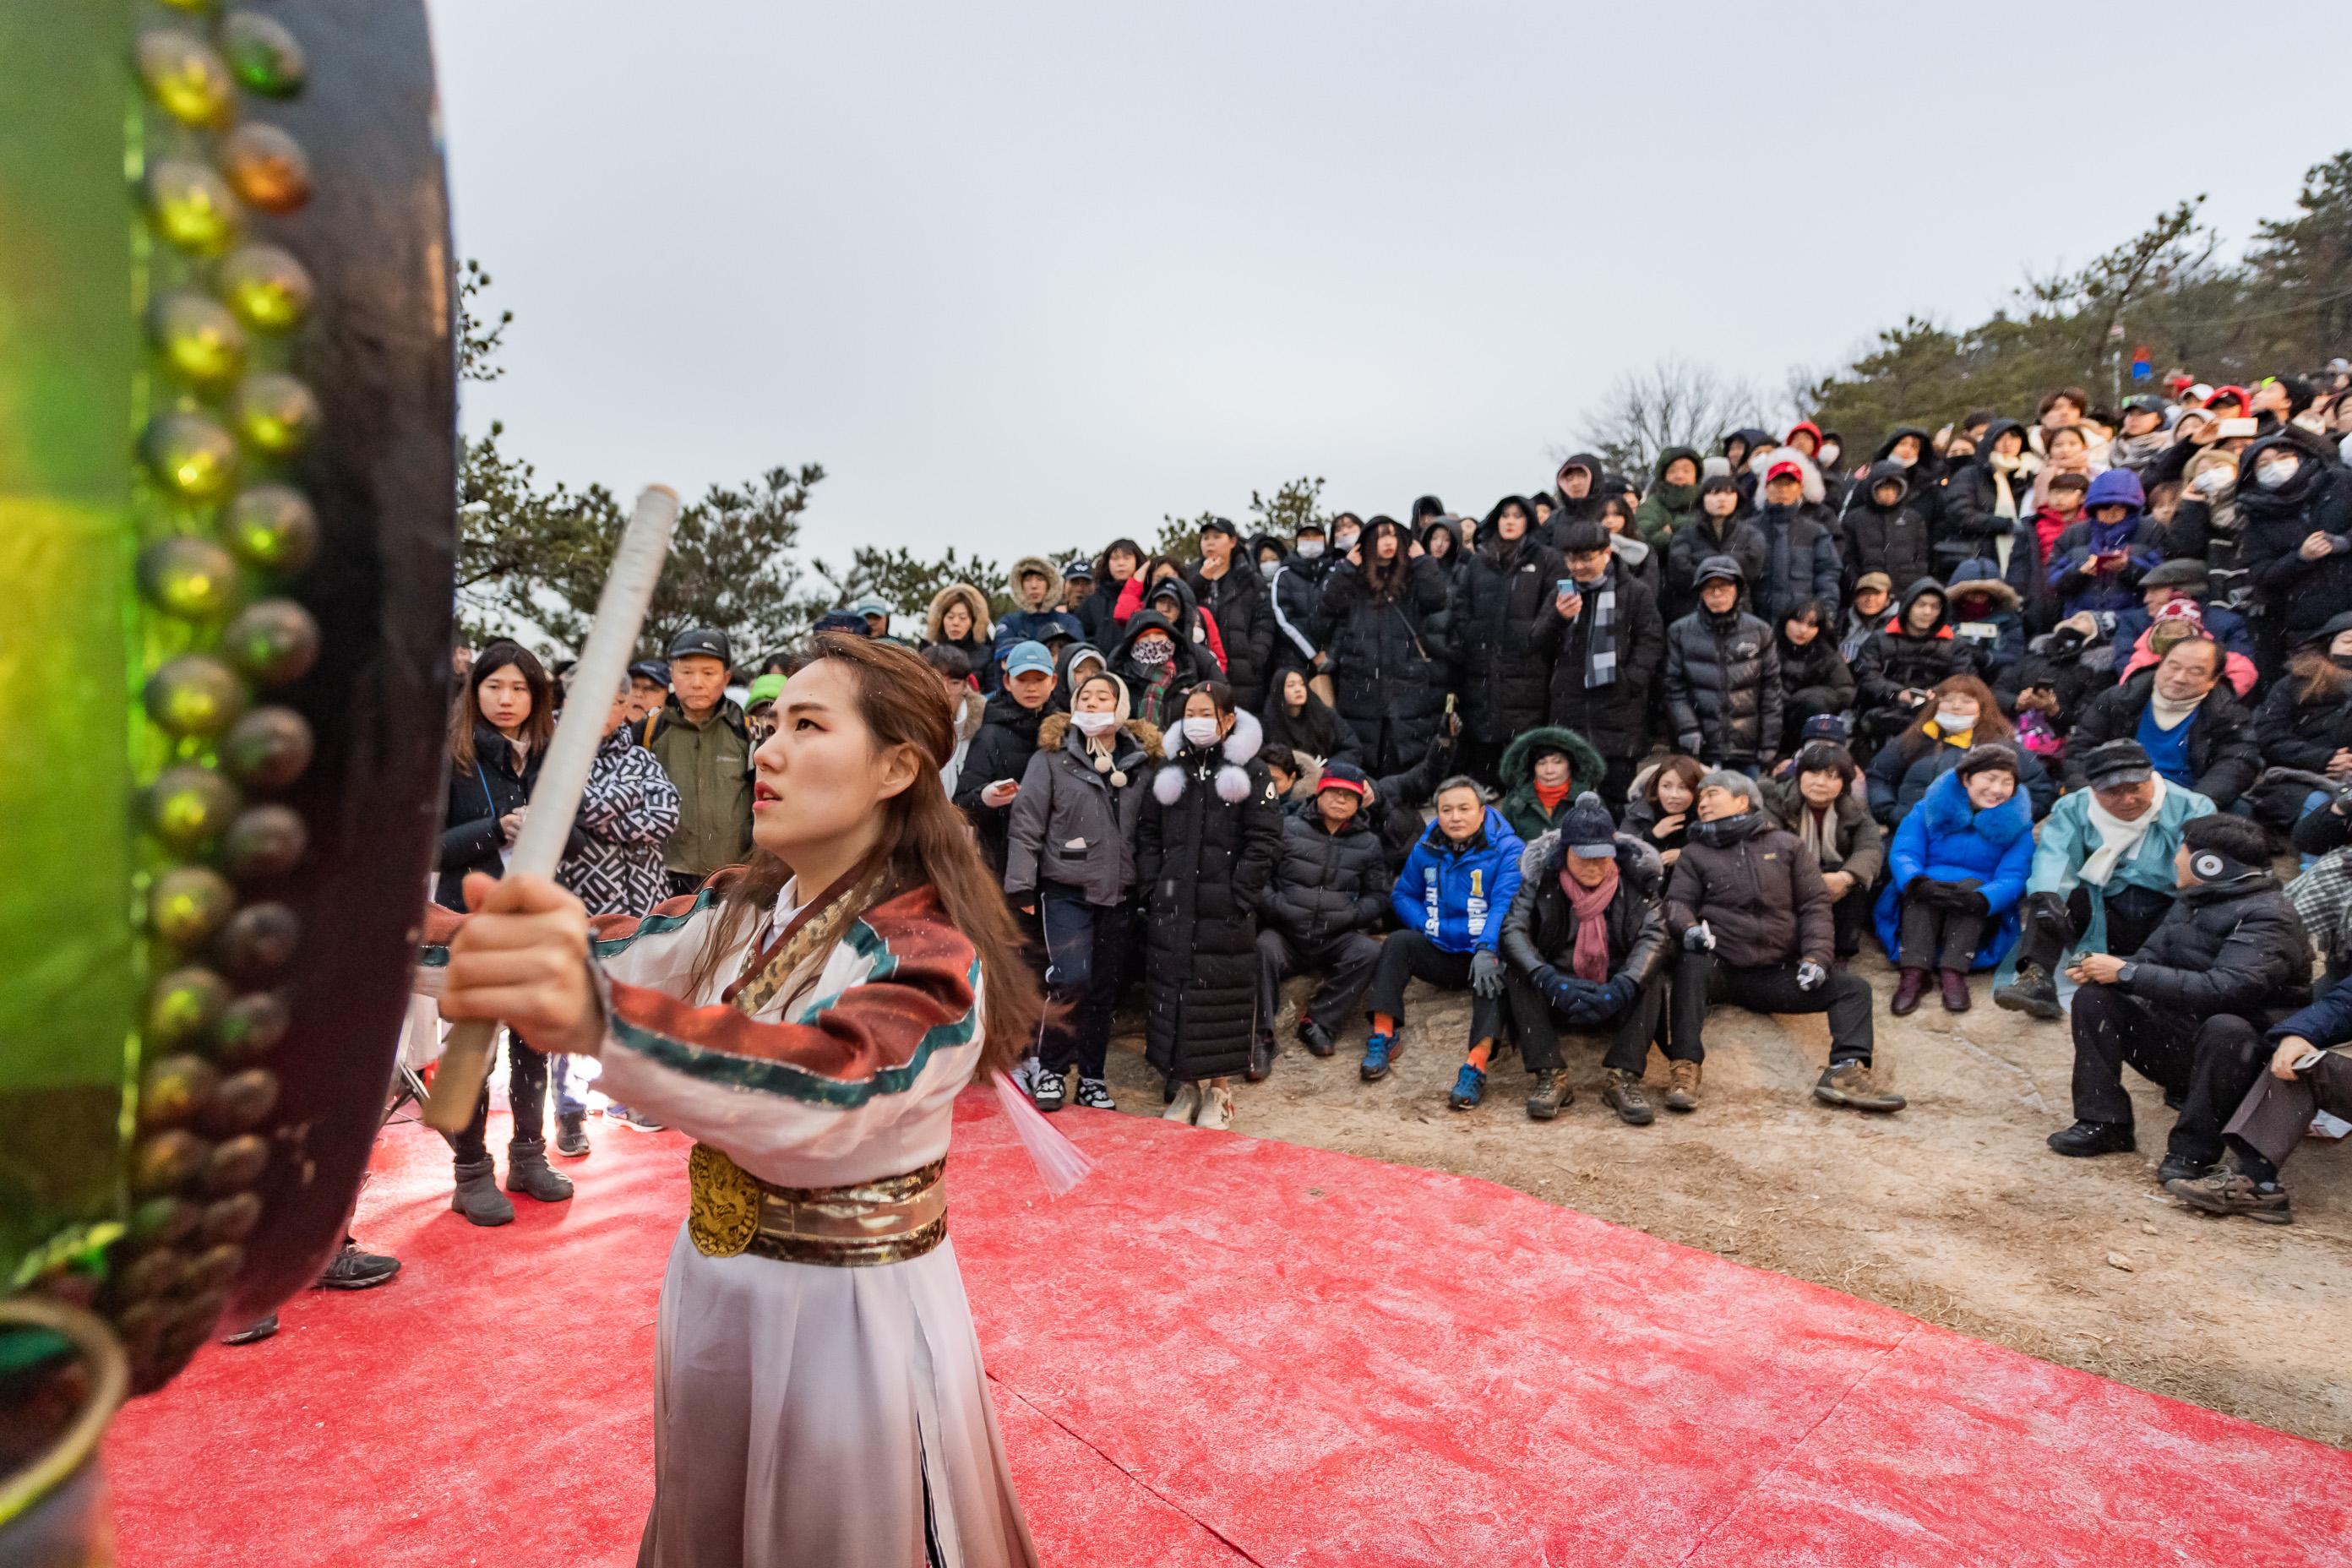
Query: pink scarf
x=1591 y=960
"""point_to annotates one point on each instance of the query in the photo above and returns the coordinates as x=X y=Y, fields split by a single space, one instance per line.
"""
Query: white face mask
x=2278 y=473
x=1955 y=721
x=1266 y=569
x=2211 y=481
x=1830 y=455
x=1091 y=724
x=1310 y=549
x=1346 y=542
x=1201 y=731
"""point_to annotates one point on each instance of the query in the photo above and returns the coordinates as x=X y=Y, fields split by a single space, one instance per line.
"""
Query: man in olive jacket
x=704 y=743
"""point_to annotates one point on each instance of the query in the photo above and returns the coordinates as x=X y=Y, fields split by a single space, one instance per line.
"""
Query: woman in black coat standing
x=1204 y=848
x=498 y=738
x=1497 y=620
x=1386 y=665
x=2293 y=512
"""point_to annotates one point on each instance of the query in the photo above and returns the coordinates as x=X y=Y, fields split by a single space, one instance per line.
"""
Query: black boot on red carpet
x=571 y=1134
x=477 y=1197
x=527 y=1172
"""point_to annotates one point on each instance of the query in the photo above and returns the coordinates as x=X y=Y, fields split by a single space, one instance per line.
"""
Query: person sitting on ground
x=2305 y=724
x=1585 y=945
x=1658 y=810
x=1303 y=721
x=1814 y=680
x=1959 y=865
x=2307 y=1070
x=1960 y=714
x=2196 y=732
x=1873 y=591
x=1292 y=786
x=1989 y=620
x=1543 y=772
x=999 y=753
x=1822 y=799
x=1449 y=898
x=1901 y=662
x=1747 y=903
x=2103 y=876
x=1329 y=894
x=2187 y=1009
x=1723 y=676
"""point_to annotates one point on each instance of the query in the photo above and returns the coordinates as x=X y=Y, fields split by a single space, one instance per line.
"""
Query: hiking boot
x=1095 y=1095
x=1048 y=1089
x=1850 y=1084
x=355 y=1270
x=2087 y=1140
x=1682 y=1085
x=477 y=1197
x=527 y=1172
x=2227 y=1191
x=253 y=1333
x=1909 y=986
x=1315 y=1037
x=2032 y=992
x=1185 y=1106
x=571 y=1134
x=1955 y=991
x=2178 y=1169
x=1551 y=1091
x=1261 y=1058
x=1381 y=1053
x=1469 y=1087
x=1621 y=1093
x=1216 y=1109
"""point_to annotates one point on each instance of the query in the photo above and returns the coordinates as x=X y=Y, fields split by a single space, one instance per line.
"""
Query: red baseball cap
x=1784 y=468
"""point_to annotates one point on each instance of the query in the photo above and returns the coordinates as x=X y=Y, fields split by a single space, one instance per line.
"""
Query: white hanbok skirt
x=806 y=1415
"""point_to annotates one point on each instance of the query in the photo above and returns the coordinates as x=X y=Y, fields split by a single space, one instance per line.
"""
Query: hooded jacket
x=1950 y=840
x=1243 y=616
x=1615 y=717
x=1539 y=928
x=1073 y=822
x=1814 y=679
x=1194 y=624
x=2074 y=575
x=1503 y=623
x=1020 y=625
x=1521 y=806
x=1588 y=507
x=1455 y=552
x=1736 y=536
x=1389 y=662
x=1903 y=770
x=1745 y=471
x=1192 y=659
x=978 y=639
x=1890 y=539
x=1757 y=888
x=1891 y=660
x=1994 y=633
x=1667 y=508
x=1326 y=884
x=2301 y=595
x=2221 y=753
x=1007 y=739
x=1457 y=894
x=1723 y=684
x=1074 y=663
x=2235 y=947
x=1925 y=477
x=1294 y=607
x=1317 y=729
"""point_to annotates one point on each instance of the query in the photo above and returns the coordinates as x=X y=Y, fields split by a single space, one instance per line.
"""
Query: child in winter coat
x=1451 y=895
x=1989 y=619
x=1959 y=864
x=1070 y=864
x=2099 y=562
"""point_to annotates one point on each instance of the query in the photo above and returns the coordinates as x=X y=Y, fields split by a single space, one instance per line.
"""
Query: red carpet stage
x=1218 y=1350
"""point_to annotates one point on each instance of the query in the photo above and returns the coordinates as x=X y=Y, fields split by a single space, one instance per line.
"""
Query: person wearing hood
x=2205 y=527
x=1072 y=664
x=1753 y=447
x=2296 y=514
x=2304 y=722
x=957 y=619
x=1543 y=772
x=1986 y=503
x=999 y=753
x=1720 y=529
x=1297 y=718
x=1801 y=557
x=1231 y=593
x=1885 y=529
x=1172 y=597
x=1450 y=897
x=1641 y=560
x=1499 y=612
x=1673 y=500
x=2174 y=619
x=1070 y=866
x=1805 y=438
x=2098 y=562
x=1160 y=667
x=1813 y=679
x=1723 y=676
x=1960 y=713
x=1037 y=597
x=1206 y=844
x=1901 y=661
x=1295 y=605
x=1329 y=894
x=1959 y=865
x=1440 y=540
x=1989 y=620
x=2188 y=1010
x=1747 y=903
x=1821 y=797
x=1098 y=611
x=1388 y=660
x=2197 y=733
x=1605 y=641
x=1576 y=493
x=1584 y=947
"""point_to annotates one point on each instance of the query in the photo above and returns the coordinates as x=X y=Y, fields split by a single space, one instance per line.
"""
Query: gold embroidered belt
x=885 y=1221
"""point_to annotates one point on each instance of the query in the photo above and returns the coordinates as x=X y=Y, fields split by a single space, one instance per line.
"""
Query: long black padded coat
x=1501 y=606
x=1386 y=660
x=1205 y=849
x=1244 y=618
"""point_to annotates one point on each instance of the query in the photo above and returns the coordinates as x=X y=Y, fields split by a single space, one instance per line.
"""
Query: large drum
x=227 y=402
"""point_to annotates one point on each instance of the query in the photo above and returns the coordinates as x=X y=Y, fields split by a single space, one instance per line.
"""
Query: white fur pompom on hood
x=1232 y=778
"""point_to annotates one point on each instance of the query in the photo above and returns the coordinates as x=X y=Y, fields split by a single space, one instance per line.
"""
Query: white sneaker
x=1216 y=1110
x=1186 y=1104
x=1025 y=1076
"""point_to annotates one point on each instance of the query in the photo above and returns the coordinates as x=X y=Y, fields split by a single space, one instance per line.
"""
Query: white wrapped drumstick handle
x=539 y=846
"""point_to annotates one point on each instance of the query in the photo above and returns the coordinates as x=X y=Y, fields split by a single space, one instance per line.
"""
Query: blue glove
x=1485 y=973
x=1579 y=999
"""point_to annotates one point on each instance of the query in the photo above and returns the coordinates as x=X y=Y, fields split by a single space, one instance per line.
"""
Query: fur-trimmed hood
x=972 y=599
x=1584 y=760
x=1058 y=729
x=1233 y=780
x=1021 y=568
x=1980 y=576
x=1761 y=464
x=971 y=711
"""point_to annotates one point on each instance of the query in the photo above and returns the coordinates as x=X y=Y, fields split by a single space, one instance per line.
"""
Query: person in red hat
x=1801 y=557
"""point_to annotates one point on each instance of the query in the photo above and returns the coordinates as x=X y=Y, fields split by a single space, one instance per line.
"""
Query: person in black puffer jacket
x=1295 y=717
x=2217 y=758
x=2188 y=1010
x=1204 y=848
x=1813 y=679
x=1886 y=528
x=1387 y=661
x=1501 y=621
x=1236 y=597
x=1606 y=700
x=1723 y=676
x=1988 y=499
x=2305 y=723
x=1329 y=892
x=1801 y=557
x=1720 y=529
x=1294 y=603
x=2295 y=521
x=999 y=753
x=1441 y=543
x=1900 y=663
x=1160 y=667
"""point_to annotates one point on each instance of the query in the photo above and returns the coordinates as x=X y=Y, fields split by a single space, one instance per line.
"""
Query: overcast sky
x=1028 y=277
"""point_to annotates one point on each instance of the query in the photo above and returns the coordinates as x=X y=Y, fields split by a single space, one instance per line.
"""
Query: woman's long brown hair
x=1990 y=725
x=536 y=730
x=924 y=839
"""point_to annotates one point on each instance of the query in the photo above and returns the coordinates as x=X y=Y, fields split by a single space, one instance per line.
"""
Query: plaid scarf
x=1600 y=638
x=2323 y=897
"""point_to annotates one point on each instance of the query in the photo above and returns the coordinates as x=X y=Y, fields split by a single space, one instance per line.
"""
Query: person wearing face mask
x=1232 y=594
x=2197 y=733
x=1295 y=605
x=1959 y=714
x=2098 y=563
x=1159 y=667
x=2205 y=528
x=1720 y=529
x=1499 y=609
x=1958 y=864
x=1985 y=503
x=1903 y=660
x=1070 y=865
x=2295 y=517
x=1823 y=798
x=1673 y=500
x=2305 y=724
x=1205 y=846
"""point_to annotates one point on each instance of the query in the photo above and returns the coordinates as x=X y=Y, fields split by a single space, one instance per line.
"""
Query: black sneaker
x=1095 y=1095
x=571 y=1133
x=1315 y=1037
x=355 y=1270
x=1261 y=1062
x=1050 y=1089
x=2177 y=1169
x=2086 y=1140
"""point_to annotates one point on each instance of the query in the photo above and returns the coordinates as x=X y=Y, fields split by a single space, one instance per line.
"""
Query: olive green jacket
x=711 y=763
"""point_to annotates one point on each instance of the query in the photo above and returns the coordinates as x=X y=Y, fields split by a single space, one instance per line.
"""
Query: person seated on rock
x=1899 y=667
x=1820 y=799
x=2103 y=876
x=2304 y=724
x=2306 y=1071
x=1328 y=892
x=1543 y=772
x=1961 y=714
x=1584 y=946
x=1451 y=897
x=1658 y=805
x=1960 y=863
x=2189 y=1009
x=1747 y=903
x=2196 y=732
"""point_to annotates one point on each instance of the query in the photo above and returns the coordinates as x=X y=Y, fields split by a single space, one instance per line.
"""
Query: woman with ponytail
x=809 y=1018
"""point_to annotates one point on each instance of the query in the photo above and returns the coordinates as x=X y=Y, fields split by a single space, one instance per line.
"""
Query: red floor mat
x=1219 y=1351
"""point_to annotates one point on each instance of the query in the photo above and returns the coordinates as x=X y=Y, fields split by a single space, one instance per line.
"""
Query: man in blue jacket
x=1451 y=895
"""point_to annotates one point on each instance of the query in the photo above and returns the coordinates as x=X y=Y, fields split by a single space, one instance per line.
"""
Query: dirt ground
x=1951 y=1210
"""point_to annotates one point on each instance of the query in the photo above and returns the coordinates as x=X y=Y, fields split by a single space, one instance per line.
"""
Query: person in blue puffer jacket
x=1451 y=895
x=2096 y=563
x=1958 y=868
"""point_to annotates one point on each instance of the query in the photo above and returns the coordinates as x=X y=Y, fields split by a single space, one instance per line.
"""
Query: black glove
x=1928 y=891
x=1968 y=901
x=2048 y=911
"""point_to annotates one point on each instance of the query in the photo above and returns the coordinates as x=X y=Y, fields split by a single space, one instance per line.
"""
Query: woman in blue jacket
x=1452 y=894
x=1958 y=864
